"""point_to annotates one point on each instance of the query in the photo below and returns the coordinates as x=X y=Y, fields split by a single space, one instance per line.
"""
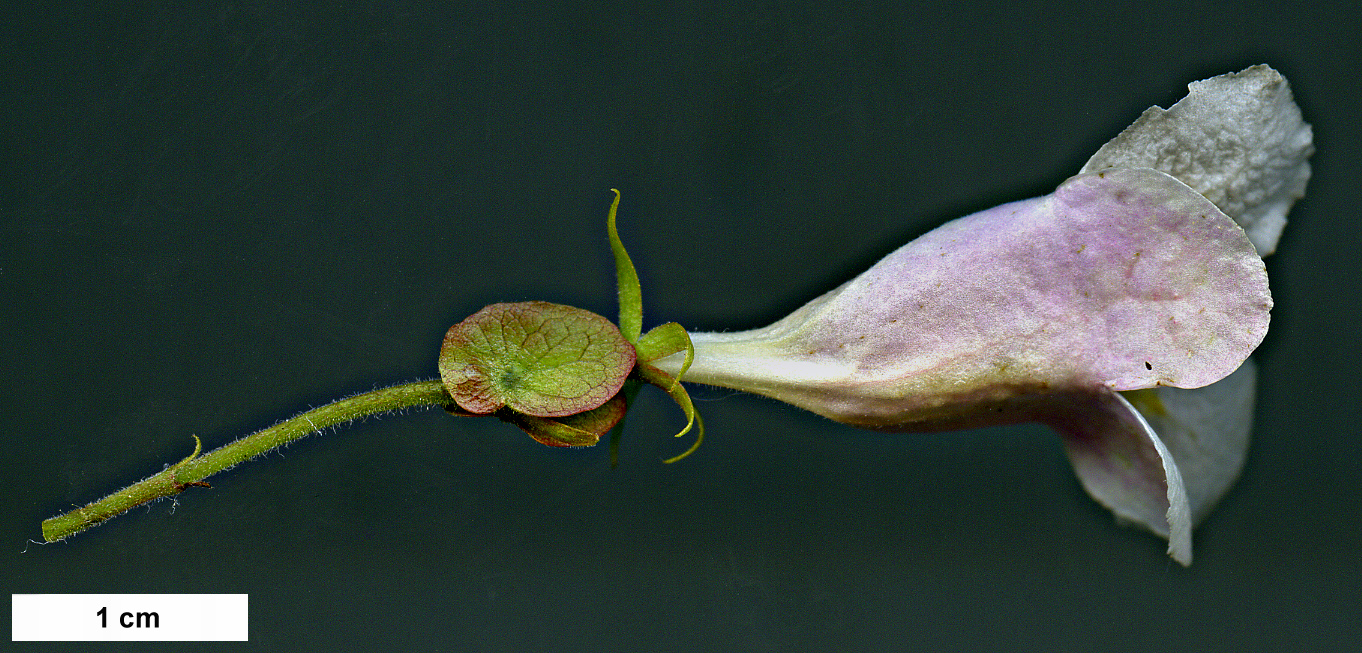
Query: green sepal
x=664 y=340
x=677 y=392
x=631 y=295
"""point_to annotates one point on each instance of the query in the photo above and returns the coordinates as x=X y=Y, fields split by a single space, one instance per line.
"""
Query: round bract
x=536 y=358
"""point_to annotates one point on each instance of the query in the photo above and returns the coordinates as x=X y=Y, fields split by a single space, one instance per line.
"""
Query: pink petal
x=1123 y=279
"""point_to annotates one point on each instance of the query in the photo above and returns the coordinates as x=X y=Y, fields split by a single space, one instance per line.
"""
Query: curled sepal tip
x=661 y=342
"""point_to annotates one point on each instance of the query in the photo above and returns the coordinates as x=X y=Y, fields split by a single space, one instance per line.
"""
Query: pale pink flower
x=1085 y=309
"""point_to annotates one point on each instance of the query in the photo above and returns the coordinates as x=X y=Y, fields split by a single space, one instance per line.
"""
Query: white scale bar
x=129 y=617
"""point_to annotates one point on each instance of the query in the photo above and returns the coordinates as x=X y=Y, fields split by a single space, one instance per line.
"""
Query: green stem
x=192 y=470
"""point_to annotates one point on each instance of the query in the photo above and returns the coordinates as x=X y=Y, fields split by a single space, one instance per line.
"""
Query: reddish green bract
x=536 y=358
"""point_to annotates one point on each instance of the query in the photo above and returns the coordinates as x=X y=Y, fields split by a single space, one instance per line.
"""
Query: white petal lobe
x=1238 y=139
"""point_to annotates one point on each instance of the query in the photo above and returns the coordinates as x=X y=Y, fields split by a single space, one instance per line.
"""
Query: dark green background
x=218 y=215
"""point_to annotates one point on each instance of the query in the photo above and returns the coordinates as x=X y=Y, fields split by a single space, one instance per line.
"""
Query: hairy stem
x=192 y=470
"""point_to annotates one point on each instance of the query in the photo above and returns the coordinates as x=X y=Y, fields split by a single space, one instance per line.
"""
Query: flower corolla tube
x=1095 y=310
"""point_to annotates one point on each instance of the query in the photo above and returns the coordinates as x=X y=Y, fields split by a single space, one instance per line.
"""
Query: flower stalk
x=192 y=471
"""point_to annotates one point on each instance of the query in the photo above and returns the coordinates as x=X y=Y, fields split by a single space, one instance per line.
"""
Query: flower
x=1091 y=310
